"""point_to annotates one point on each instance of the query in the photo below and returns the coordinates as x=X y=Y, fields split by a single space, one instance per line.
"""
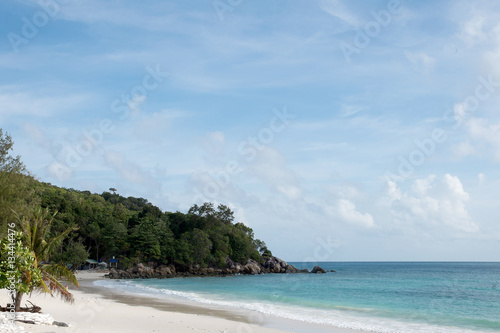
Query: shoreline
x=101 y=310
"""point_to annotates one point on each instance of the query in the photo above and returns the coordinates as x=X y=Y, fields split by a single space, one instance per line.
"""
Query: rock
x=60 y=324
x=317 y=270
x=152 y=270
x=275 y=265
x=163 y=271
x=333 y=271
x=252 y=267
x=304 y=270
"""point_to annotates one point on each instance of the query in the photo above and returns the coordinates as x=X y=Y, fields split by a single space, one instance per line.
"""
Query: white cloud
x=271 y=168
x=349 y=110
x=481 y=178
x=214 y=143
x=347 y=211
x=486 y=134
x=492 y=57
x=38 y=136
x=339 y=205
x=337 y=9
x=472 y=30
x=460 y=112
x=464 y=149
x=431 y=203
x=135 y=104
x=157 y=125
x=421 y=61
x=319 y=146
x=130 y=171
x=22 y=103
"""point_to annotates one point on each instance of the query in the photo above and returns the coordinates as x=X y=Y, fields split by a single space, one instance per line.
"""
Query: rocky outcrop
x=251 y=267
x=276 y=265
x=143 y=271
x=318 y=270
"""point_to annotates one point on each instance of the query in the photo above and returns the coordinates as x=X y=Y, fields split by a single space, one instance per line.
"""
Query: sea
x=382 y=297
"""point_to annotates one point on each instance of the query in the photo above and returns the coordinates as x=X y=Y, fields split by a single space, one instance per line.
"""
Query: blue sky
x=337 y=130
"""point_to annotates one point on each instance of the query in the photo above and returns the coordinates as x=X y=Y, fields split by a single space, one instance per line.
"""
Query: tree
x=201 y=245
x=225 y=214
x=262 y=248
x=242 y=243
x=16 y=185
x=145 y=240
x=35 y=232
x=74 y=255
x=112 y=189
x=18 y=271
x=9 y=163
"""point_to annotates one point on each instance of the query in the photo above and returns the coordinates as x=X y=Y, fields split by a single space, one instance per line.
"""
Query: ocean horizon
x=382 y=297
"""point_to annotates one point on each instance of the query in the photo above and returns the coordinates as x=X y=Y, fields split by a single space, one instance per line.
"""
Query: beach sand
x=99 y=310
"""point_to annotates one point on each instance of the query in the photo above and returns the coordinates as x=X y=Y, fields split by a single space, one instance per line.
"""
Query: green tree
x=17 y=191
x=145 y=240
x=262 y=248
x=35 y=232
x=242 y=243
x=18 y=270
x=74 y=255
x=201 y=246
x=183 y=251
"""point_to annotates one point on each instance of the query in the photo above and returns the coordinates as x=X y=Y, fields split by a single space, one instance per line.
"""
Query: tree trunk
x=19 y=297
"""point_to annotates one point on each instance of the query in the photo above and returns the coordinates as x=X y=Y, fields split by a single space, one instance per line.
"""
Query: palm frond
x=60 y=271
x=55 y=242
x=56 y=286
x=36 y=232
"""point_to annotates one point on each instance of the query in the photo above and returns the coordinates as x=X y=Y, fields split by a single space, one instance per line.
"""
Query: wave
x=362 y=319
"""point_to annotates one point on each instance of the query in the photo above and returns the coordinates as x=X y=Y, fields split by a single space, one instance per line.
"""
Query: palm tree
x=36 y=230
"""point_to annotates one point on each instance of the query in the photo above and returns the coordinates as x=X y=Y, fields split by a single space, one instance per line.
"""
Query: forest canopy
x=129 y=229
x=134 y=230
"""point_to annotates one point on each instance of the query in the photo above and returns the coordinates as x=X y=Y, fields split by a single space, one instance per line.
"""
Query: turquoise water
x=369 y=296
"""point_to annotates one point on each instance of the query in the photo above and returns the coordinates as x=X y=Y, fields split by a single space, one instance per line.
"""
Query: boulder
x=60 y=324
x=318 y=270
x=163 y=271
x=275 y=265
x=252 y=267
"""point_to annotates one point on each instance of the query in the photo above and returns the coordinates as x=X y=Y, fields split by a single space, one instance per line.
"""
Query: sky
x=337 y=130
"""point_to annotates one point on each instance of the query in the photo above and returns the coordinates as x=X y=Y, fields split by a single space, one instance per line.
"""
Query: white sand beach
x=93 y=312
